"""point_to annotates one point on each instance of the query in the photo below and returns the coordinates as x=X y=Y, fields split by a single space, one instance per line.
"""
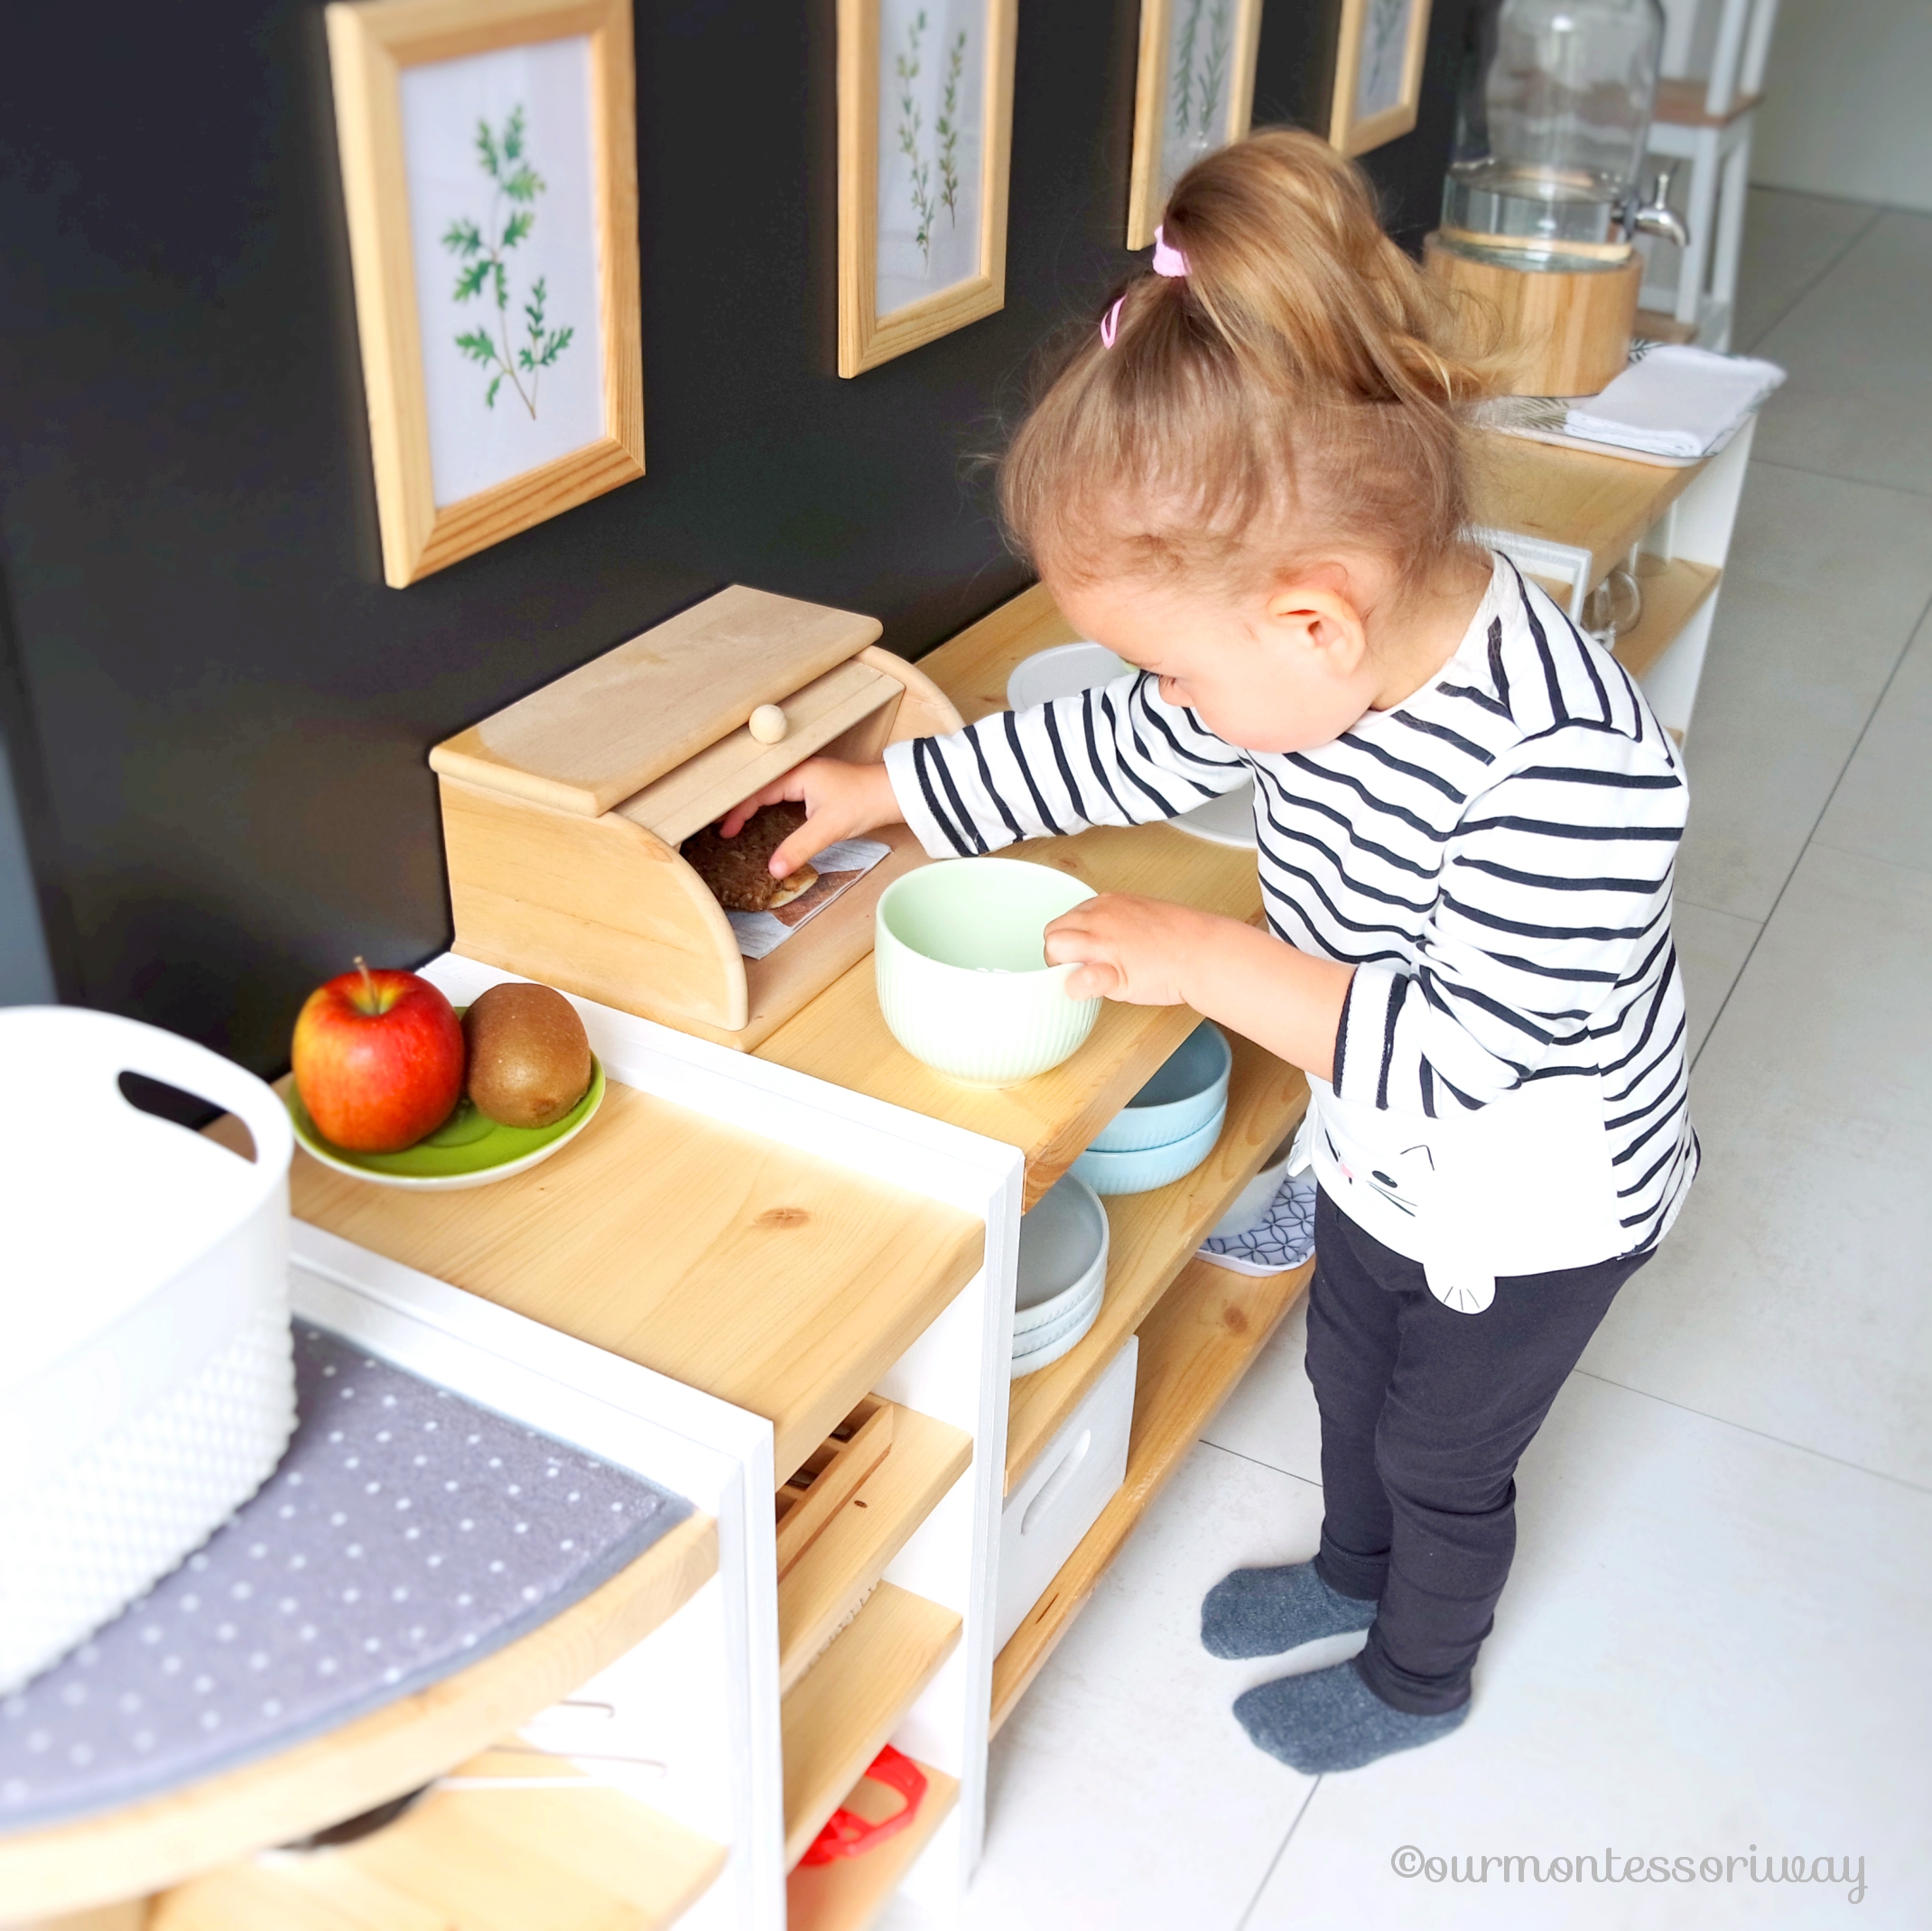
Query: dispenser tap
x=1656 y=216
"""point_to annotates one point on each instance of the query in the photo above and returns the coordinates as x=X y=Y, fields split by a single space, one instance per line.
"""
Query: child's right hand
x=841 y=800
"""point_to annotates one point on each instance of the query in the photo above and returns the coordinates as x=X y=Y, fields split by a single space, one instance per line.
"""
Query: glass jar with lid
x=1551 y=128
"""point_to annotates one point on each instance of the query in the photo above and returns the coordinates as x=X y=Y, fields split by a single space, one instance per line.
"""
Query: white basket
x=146 y=1384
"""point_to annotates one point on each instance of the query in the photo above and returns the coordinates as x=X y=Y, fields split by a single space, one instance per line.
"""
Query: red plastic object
x=847 y=1834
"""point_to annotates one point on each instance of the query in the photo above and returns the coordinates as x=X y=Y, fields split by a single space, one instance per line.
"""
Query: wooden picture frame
x=1213 y=45
x=1377 y=72
x=565 y=180
x=936 y=83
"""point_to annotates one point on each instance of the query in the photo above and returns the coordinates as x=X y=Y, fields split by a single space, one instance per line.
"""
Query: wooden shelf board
x=851 y=1552
x=841 y=1038
x=844 y=1709
x=1680 y=103
x=1670 y=600
x=1153 y=1236
x=848 y=1895
x=146 y=1846
x=1198 y=1341
x=1602 y=504
x=512 y=1859
x=775 y=1279
x=1653 y=325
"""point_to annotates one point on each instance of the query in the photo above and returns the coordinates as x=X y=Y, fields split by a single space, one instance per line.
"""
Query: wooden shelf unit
x=1153 y=1237
x=844 y=1710
x=158 y=1841
x=510 y=1860
x=849 y=1554
x=776 y=1280
x=1199 y=1340
x=849 y=1894
x=1602 y=504
x=1671 y=598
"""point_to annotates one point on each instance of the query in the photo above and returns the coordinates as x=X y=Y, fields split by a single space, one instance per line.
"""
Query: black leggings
x=1425 y=1414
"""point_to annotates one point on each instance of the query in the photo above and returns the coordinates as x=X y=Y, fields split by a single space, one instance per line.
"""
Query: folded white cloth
x=1675 y=401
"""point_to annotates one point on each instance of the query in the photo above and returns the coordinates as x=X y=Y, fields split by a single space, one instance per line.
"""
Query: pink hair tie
x=1168 y=262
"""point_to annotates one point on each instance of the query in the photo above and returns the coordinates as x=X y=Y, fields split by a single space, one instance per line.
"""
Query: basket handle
x=115 y=1045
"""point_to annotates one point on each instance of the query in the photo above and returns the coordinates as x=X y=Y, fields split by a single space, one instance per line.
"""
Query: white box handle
x=1056 y=1483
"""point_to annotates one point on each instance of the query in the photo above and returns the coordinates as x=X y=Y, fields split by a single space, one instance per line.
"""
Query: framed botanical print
x=1377 y=72
x=1195 y=92
x=925 y=135
x=488 y=155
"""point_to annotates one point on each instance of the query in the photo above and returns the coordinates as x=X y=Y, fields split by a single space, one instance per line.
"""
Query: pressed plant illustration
x=1200 y=69
x=921 y=158
x=1384 y=42
x=911 y=130
x=483 y=249
x=947 y=128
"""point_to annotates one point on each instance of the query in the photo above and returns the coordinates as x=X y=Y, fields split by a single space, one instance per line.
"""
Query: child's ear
x=1317 y=613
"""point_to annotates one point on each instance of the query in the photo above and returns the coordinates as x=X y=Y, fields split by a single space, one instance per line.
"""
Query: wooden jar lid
x=608 y=728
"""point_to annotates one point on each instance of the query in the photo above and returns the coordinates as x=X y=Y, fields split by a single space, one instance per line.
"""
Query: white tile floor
x=1714 y=1640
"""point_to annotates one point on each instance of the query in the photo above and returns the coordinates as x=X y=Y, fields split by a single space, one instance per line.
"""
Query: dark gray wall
x=217 y=713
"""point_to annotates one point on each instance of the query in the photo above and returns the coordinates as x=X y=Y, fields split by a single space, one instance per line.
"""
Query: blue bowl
x=1189 y=1089
x=1147 y=1167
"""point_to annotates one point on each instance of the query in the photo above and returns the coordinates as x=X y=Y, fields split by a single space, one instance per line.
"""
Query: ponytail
x=1302 y=389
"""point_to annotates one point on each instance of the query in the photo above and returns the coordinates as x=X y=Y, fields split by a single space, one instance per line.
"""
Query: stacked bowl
x=1063 y=1274
x=1170 y=1125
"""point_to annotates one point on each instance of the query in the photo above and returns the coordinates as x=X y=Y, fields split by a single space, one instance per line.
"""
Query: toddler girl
x=1249 y=482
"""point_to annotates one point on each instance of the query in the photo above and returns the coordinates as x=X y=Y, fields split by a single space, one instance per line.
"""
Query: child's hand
x=841 y=800
x=1143 y=951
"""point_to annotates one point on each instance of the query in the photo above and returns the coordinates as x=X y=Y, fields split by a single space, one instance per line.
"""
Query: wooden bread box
x=563 y=814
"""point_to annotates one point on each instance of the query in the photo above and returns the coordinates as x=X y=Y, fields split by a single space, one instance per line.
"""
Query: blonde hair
x=1298 y=394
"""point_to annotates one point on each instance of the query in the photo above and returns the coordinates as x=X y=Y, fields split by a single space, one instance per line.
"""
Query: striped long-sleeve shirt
x=1493 y=856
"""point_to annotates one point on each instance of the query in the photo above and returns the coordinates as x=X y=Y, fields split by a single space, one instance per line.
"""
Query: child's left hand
x=1142 y=950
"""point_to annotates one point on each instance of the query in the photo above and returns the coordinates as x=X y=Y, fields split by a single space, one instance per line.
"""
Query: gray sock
x=1330 y=1720
x=1263 y=1611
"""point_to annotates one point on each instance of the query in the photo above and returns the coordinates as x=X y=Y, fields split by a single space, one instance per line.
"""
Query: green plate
x=469 y=1149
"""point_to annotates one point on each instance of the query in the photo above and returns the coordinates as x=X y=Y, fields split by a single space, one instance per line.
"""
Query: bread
x=735 y=868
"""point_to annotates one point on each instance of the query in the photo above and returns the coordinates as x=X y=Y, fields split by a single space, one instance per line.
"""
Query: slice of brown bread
x=735 y=868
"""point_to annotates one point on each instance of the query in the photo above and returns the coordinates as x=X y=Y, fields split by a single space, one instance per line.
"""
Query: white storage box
x=1065 y=1492
x=146 y=1388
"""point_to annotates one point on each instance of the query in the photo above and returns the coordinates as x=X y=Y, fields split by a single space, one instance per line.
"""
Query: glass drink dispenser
x=1551 y=128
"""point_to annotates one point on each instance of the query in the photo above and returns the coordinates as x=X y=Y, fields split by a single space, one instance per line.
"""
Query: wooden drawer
x=848 y=1511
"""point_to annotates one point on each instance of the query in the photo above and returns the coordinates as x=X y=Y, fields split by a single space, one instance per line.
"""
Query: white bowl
x=1061 y=670
x=1048 y=1353
x=962 y=979
x=1147 y=1167
x=1063 y=1257
x=1249 y=1206
x=1080 y=1315
x=1187 y=1090
x=1227 y=820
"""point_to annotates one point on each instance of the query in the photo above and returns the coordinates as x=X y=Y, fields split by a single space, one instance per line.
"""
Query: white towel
x=1675 y=401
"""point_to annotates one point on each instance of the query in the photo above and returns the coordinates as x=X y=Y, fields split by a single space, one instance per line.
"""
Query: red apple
x=378 y=1059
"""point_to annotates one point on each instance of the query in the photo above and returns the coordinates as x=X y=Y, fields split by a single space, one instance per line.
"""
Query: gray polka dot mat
x=405 y=1535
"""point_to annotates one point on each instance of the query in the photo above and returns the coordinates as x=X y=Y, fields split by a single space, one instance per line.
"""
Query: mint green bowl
x=962 y=979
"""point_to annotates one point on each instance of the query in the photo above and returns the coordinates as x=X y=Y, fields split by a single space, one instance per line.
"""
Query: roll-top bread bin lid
x=595 y=737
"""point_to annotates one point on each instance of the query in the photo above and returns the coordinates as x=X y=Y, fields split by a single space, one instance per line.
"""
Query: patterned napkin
x=1283 y=1238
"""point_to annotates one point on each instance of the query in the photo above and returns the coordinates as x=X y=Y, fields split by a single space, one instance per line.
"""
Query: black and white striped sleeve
x=1552 y=922
x=1117 y=754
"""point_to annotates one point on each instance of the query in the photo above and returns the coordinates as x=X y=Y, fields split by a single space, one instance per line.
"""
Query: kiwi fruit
x=529 y=1058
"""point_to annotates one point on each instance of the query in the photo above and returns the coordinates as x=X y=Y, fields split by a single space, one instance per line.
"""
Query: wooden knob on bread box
x=768 y=724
